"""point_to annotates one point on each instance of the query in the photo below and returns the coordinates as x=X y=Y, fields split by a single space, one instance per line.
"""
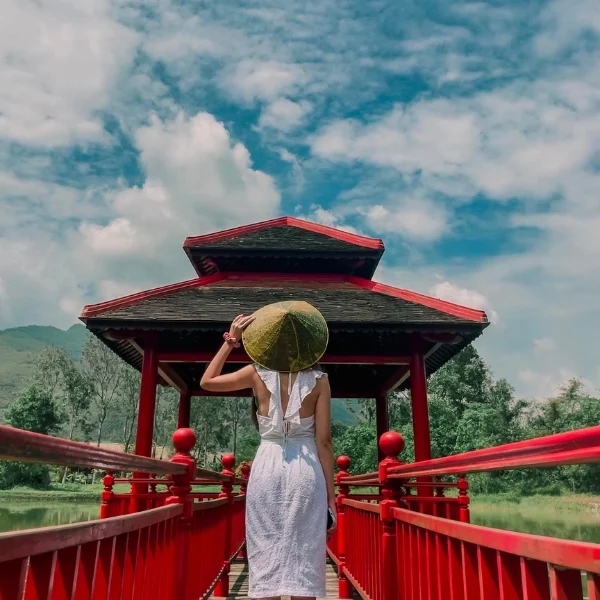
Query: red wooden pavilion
x=382 y=338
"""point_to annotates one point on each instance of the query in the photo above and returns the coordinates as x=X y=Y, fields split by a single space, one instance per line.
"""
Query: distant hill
x=20 y=346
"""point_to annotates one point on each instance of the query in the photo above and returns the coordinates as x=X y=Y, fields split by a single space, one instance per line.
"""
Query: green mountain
x=20 y=346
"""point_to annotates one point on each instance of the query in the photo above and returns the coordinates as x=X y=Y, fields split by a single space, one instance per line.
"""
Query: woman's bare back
x=309 y=404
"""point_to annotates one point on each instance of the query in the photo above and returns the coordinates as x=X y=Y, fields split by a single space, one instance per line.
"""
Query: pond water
x=19 y=515
x=583 y=525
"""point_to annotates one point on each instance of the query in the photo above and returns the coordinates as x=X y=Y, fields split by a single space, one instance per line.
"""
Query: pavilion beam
x=242 y=357
x=185 y=409
x=167 y=372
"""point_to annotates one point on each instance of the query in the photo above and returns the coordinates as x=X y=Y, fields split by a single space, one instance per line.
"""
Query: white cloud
x=284 y=115
x=416 y=219
x=263 y=80
x=464 y=297
x=58 y=61
x=545 y=344
x=197 y=180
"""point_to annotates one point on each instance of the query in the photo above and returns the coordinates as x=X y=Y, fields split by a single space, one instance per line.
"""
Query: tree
x=463 y=381
x=129 y=397
x=104 y=370
x=235 y=411
x=57 y=373
x=34 y=410
x=360 y=444
x=207 y=419
x=165 y=418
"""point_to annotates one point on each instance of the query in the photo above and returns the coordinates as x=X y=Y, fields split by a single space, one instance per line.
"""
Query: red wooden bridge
x=404 y=531
x=169 y=538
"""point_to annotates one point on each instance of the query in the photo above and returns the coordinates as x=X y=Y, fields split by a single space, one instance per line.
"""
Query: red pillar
x=185 y=408
x=147 y=407
x=381 y=419
x=418 y=397
x=145 y=424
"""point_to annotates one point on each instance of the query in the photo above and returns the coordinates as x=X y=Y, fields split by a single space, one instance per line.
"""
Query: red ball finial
x=343 y=462
x=245 y=470
x=228 y=461
x=184 y=439
x=391 y=444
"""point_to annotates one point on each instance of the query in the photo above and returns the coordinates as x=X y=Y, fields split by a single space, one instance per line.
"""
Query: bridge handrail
x=581 y=446
x=27 y=446
x=583 y=556
x=20 y=544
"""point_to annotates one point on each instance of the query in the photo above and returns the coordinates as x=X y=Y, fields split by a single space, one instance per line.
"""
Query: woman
x=291 y=482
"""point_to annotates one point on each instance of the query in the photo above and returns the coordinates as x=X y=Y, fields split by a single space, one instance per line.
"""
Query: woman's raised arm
x=243 y=379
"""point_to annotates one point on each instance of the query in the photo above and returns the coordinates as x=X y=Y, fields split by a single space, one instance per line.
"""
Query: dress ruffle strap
x=303 y=386
x=305 y=383
x=271 y=380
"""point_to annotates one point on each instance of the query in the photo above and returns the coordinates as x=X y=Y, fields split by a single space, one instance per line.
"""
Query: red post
x=381 y=418
x=420 y=413
x=391 y=443
x=184 y=440
x=107 y=495
x=464 y=515
x=345 y=591
x=145 y=424
x=222 y=587
x=418 y=397
x=185 y=409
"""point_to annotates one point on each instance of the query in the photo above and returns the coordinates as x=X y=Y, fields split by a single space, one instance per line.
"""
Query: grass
x=573 y=503
x=73 y=492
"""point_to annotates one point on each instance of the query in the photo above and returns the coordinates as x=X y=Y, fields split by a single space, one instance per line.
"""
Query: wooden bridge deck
x=238 y=582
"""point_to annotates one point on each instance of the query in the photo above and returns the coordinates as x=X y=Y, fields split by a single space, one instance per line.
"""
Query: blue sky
x=465 y=134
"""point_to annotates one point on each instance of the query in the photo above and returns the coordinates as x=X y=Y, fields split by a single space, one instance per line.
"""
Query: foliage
x=34 y=410
x=104 y=370
x=468 y=410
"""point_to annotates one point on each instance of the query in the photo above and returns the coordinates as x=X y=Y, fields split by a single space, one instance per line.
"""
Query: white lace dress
x=286 y=503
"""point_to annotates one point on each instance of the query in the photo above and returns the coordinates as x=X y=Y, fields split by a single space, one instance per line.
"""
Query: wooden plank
x=238 y=582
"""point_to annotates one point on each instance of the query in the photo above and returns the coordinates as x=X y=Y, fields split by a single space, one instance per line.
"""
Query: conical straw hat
x=286 y=336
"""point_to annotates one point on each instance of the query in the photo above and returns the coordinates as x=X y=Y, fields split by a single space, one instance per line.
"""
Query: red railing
x=123 y=557
x=157 y=545
x=394 y=546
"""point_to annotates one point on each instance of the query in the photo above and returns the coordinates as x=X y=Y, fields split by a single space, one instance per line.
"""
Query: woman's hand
x=333 y=507
x=239 y=324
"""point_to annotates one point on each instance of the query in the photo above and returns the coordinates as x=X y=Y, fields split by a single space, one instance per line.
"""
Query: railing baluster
x=104 y=568
x=12 y=582
x=443 y=566
x=565 y=584
x=432 y=573
x=118 y=568
x=469 y=572
x=487 y=572
x=40 y=576
x=509 y=576
x=455 y=569
x=593 y=586
x=535 y=579
x=86 y=571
